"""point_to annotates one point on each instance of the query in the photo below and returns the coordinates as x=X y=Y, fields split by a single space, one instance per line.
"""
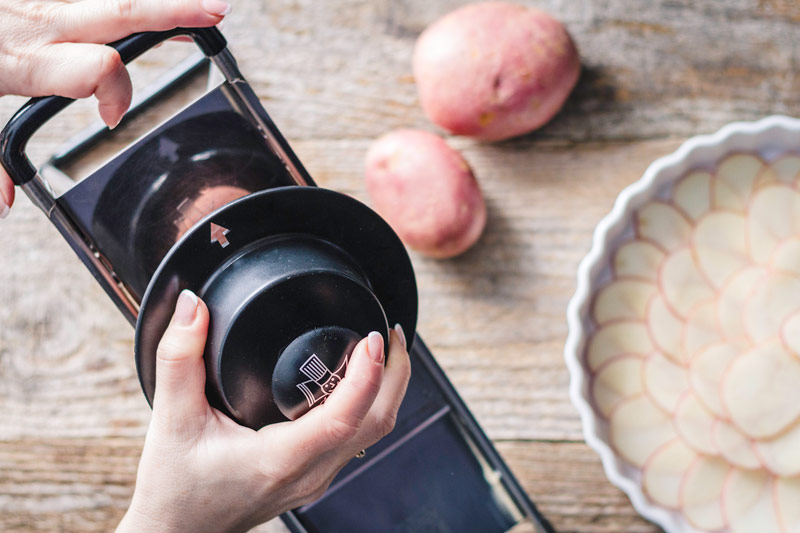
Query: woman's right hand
x=57 y=47
x=201 y=471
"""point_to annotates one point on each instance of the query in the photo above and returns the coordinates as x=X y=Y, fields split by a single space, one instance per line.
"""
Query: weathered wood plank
x=85 y=485
x=650 y=69
x=567 y=483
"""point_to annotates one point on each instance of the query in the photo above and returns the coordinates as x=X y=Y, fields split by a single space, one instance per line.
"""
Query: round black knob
x=278 y=297
x=292 y=261
x=311 y=367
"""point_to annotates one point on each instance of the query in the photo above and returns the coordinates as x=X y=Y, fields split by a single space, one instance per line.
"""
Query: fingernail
x=217 y=7
x=375 y=346
x=186 y=308
x=400 y=333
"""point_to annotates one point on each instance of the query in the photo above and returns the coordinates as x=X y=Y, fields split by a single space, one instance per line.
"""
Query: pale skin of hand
x=57 y=47
x=200 y=471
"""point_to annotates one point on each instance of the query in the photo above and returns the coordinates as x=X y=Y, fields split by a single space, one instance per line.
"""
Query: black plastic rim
x=323 y=213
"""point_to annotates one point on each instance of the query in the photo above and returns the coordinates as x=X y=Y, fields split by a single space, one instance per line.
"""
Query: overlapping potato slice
x=773 y=299
x=734 y=181
x=692 y=194
x=719 y=244
x=734 y=447
x=638 y=259
x=786 y=256
x=664 y=470
x=783 y=170
x=701 y=492
x=666 y=329
x=787 y=494
x=618 y=379
x=618 y=338
x=747 y=502
x=733 y=297
x=781 y=454
x=681 y=282
x=701 y=329
x=760 y=390
x=623 y=299
x=663 y=225
x=773 y=217
x=790 y=333
x=706 y=371
x=637 y=428
x=694 y=424
x=664 y=381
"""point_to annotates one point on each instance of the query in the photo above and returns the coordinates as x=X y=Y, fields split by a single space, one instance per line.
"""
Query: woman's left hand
x=57 y=47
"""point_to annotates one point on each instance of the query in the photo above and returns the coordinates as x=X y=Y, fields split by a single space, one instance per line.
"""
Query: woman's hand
x=200 y=471
x=57 y=47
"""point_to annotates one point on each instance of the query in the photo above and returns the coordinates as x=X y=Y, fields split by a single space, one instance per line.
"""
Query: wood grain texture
x=334 y=75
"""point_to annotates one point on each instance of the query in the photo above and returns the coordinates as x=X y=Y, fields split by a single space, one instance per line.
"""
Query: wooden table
x=334 y=75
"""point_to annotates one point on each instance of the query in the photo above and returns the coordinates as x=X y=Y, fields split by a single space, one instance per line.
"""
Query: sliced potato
x=747 y=502
x=701 y=492
x=692 y=194
x=618 y=379
x=638 y=259
x=618 y=338
x=701 y=329
x=666 y=329
x=706 y=371
x=786 y=256
x=694 y=423
x=623 y=299
x=734 y=447
x=681 y=282
x=772 y=301
x=774 y=216
x=787 y=494
x=760 y=390
x=664 y=381
x=720 y=245
x=638 y=428
x=781 y=455
x=790 y=334
x=663 y=472
x=663 y=224
x=783 y=170
x=734 y=180
x=733 y=297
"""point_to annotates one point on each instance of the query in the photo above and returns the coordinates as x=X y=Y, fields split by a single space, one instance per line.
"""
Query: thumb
x=180 y=371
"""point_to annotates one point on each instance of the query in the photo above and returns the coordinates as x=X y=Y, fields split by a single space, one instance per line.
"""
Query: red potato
x=426 y=192
x=494 y=70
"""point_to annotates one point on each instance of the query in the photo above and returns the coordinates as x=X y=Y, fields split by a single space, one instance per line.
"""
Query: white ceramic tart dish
x=684 y=334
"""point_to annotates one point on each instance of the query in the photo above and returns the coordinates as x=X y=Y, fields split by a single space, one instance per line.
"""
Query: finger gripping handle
x=36 y=111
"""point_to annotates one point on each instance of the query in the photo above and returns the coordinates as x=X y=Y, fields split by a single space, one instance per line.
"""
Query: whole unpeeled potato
x=494 y=70
x=425 y=191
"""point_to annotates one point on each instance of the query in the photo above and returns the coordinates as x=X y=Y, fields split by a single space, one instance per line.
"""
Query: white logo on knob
x=319 y=374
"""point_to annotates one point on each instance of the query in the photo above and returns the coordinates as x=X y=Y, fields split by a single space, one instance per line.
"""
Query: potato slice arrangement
x=695 y=355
